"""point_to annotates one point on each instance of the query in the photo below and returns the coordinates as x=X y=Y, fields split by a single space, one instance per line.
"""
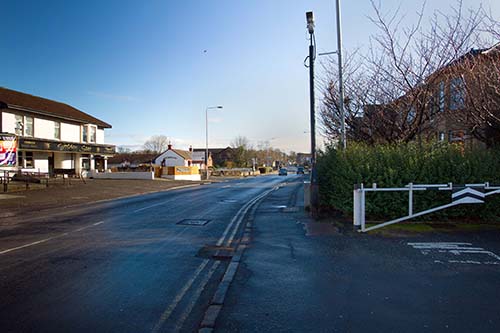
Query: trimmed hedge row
x=398 y=165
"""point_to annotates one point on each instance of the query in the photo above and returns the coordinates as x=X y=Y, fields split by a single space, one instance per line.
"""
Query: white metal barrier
x=461 y=194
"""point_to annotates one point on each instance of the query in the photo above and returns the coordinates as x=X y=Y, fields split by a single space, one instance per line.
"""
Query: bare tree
x=156 y=144
x=392 y=92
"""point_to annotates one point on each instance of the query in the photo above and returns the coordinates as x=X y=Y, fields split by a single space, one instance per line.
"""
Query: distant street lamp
x=206 y=131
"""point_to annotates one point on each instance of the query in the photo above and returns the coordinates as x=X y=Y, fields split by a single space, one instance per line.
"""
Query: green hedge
x=398 y=165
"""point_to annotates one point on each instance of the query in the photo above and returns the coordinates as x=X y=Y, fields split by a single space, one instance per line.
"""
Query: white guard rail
x=461 y=194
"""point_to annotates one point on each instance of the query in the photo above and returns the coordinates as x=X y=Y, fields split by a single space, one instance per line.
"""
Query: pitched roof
x=211 y=150
x=183 y=153
x=16 y=99
x=136 y=158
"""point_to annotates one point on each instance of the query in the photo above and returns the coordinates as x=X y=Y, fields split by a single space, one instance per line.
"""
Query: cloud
x=122 y=98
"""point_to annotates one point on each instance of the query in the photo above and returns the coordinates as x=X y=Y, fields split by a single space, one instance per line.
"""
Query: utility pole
x=314 y=179
x=341 y=79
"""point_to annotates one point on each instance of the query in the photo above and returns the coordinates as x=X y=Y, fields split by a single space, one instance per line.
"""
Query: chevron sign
x=467 y=195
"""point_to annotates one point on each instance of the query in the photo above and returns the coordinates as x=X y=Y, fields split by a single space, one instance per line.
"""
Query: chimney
x=191 y=148
x=169 y=145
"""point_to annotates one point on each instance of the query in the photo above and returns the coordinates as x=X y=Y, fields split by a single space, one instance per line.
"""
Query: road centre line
x=26 y=245
x=49 y=239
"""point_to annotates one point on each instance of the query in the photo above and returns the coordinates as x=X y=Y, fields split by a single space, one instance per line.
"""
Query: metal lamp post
x=206 y=132
x=314 y=198
x=341 y=79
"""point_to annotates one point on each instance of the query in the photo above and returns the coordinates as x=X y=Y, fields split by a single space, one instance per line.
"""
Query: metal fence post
x=362 y=207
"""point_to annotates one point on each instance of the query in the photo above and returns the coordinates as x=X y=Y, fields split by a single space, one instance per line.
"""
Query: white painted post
x=357 y=208
x=410 y=199
x=362 y=207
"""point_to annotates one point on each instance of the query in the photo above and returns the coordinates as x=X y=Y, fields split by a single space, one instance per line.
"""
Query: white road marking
x=166 y=314
x=48 y=239
x=148 y=207
x=26 y=245
x=235 y=221
x=195 y=297
x=456 y=249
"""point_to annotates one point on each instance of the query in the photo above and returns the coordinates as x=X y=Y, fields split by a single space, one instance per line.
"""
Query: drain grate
x=195 y=222
x=216 y=252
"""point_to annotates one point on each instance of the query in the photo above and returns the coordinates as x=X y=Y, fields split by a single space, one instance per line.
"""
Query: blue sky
x=152 y=67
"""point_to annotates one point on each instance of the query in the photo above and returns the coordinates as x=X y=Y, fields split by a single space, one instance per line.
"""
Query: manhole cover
x=197 y=222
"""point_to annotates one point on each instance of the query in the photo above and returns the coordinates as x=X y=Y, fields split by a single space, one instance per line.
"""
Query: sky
x=153 y=67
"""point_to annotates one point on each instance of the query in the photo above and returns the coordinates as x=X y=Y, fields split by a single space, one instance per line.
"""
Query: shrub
x=398 y=165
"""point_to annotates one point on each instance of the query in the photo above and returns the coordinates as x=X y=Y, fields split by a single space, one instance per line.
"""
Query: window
x=28 y=126
x=434 y=107
x=20 y=159
x=457 y=94
x=57 y=130
x=19 y=124
x=93 y=134
x=86 y=162
x=85 y=134
x=441 y=96
x=28 y=158
x=441 y=136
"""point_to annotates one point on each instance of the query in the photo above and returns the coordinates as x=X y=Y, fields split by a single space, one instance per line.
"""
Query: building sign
x=34 y=144
x=8 y=150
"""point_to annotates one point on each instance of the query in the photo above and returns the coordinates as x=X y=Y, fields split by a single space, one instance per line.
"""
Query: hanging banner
x=8 y=150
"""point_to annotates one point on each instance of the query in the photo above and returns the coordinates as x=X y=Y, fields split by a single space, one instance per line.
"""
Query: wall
x=63 y=161
x=44 y=129
x=8 y=122
x=100 y=136
x=70 y=132
x=183 y=177
x=123 y=175
x=41 y=162
x=171 y=159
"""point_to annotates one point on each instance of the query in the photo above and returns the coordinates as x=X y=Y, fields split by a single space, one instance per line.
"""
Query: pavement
x=297 y=275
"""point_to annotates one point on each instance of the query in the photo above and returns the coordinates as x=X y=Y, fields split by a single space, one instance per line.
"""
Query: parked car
x=283 y=172
x=300 y=170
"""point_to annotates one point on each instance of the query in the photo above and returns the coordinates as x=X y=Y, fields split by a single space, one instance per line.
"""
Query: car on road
x=300 y=170
x=283 y=172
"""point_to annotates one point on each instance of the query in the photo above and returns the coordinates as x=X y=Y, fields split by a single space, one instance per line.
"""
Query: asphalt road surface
x=300 y=276
x=140 y=264
x=130 y=265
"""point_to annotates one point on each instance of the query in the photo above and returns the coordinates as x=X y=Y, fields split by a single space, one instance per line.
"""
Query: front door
x=51 y=165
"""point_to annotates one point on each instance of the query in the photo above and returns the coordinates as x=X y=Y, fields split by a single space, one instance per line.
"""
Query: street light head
x=219 y=107
x=310 y=22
